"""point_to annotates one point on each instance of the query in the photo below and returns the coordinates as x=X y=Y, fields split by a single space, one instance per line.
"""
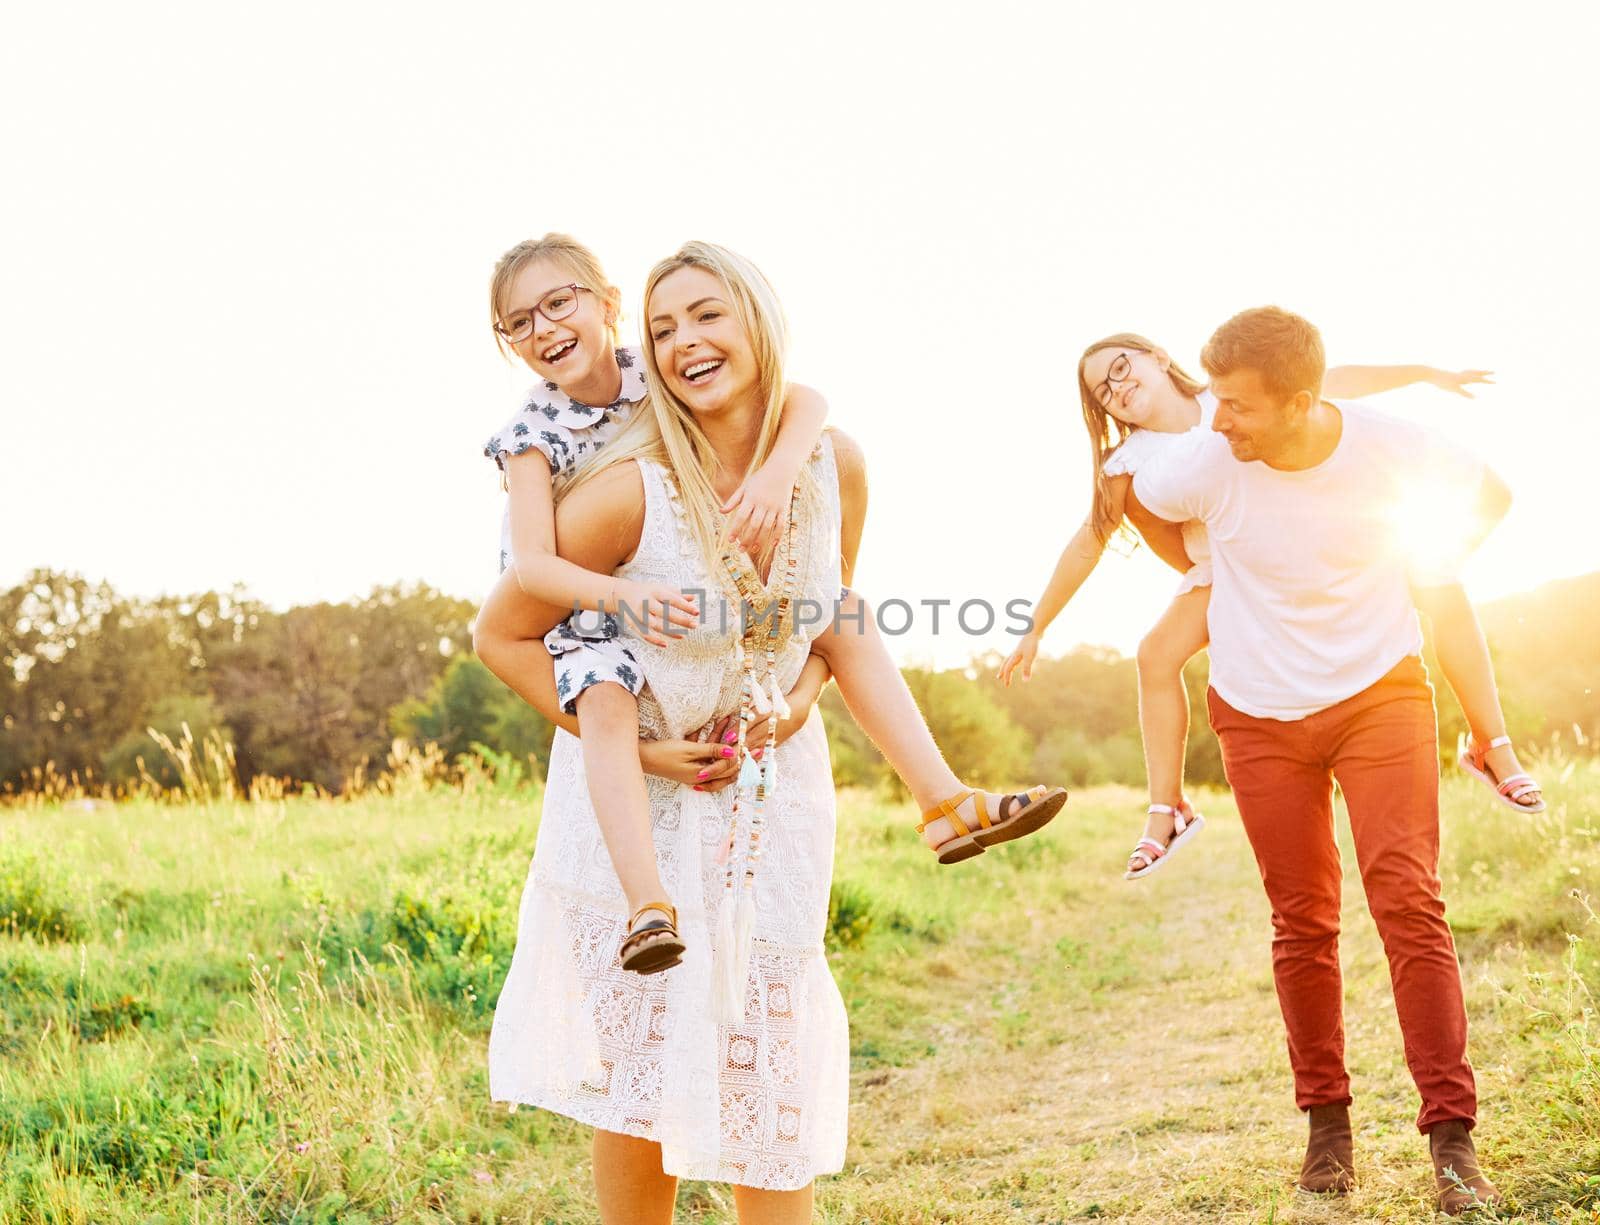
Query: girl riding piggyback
x=1137 y=402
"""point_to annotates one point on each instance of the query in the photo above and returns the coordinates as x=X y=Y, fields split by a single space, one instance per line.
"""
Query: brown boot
x=1456 y=1172
x=1330 y=1164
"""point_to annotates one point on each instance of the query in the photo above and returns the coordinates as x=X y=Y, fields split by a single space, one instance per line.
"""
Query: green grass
x=277 y=1010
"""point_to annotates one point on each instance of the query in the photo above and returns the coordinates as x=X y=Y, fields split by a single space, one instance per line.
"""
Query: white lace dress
x=762 y=1102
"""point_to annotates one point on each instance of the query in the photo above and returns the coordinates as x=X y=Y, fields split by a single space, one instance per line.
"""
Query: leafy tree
x=312 y=692
x=468 y=705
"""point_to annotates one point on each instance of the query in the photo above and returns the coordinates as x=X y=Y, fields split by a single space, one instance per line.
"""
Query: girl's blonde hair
x=563 y=249
x=665 y=429
x=1107 y=433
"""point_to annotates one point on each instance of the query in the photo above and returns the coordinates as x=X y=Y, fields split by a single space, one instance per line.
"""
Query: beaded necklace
x=761 y=635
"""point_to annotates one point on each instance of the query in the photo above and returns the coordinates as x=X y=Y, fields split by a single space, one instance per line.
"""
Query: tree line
x=317 y=693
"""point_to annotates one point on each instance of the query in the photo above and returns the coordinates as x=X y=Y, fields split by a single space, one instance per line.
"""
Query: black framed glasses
x=1121 y=367
x=558 y=303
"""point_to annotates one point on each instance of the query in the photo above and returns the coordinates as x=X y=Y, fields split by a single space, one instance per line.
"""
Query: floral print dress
x=587 y=646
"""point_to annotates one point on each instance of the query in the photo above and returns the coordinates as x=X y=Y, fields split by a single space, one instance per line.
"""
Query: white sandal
x=1512 y=789
x=1154 y=853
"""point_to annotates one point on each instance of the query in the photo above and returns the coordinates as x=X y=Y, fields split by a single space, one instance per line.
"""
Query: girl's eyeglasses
x=557 y=304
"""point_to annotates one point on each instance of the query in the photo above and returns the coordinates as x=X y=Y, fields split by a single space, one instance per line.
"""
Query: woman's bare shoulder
x=599 y=523
x=616 y=486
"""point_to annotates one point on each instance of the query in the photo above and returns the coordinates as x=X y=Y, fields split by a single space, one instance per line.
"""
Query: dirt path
x=1155 y=1087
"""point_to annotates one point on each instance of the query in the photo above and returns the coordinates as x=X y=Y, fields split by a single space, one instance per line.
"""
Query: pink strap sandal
x=1150 y=854
x=1518 y=791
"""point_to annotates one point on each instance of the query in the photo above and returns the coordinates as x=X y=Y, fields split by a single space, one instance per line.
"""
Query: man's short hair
x=1283 y=348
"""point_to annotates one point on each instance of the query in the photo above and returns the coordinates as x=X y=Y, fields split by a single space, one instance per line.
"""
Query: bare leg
x=609 y=717
x=629 y=1184
x=876 y=693
x=757 y=1207
x=878 y=700
x=1164 y=703
x=1464 y=660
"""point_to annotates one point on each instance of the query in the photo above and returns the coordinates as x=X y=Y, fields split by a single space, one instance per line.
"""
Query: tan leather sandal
x=643 y=955
x=1021 y=813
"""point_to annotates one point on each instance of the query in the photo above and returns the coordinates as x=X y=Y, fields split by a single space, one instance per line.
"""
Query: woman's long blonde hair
x=1107 y=433
x=665 y=429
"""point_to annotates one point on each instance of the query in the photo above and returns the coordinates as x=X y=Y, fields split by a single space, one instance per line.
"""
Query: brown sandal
x=662 y=953
x=1028 y=811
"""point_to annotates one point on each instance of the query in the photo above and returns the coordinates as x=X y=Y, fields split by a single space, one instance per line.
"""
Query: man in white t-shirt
x=1316 y=676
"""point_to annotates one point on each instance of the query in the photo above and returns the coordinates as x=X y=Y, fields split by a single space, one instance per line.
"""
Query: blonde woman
x=733 y=1065
x=554 y=308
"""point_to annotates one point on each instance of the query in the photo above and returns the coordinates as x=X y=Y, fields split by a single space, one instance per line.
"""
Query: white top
x=1311 y=601
x=1143 y=447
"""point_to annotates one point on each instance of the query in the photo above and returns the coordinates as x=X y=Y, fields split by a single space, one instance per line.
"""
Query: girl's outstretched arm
x=1356 y=382
x=758 y=509
x=1073 y=567
x=552 y=579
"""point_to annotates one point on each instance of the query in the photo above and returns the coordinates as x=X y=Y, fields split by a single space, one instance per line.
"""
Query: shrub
x=34 y=901
x=850 y=916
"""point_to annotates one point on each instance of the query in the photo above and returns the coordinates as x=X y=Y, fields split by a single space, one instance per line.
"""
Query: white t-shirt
x=1144 y=447
x=1311 y=600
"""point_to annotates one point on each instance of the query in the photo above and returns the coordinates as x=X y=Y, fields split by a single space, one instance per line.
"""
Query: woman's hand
x=661 y=614
x=701 y=766
x=1027 y=651
x=800 y=700
x=759 y=508
x=1458 y=380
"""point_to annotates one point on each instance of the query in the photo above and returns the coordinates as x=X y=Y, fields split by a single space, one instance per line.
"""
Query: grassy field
x=277 y=1011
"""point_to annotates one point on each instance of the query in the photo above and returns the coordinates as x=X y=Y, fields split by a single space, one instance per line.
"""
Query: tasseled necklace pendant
x=760 y=639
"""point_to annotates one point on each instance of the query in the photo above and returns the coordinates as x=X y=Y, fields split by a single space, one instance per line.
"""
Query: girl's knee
x=1160 y=654
x=490 y=646
x=491 y=641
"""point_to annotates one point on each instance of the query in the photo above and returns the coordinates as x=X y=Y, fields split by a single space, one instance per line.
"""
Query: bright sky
x=246 y=254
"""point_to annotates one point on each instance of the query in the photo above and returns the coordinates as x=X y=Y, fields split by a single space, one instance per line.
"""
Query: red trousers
x=1382 y=747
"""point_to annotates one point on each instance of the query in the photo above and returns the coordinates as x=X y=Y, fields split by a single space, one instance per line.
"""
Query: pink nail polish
x=727 y=752
x=702 y=774
x=698 y=787
x=730 y=738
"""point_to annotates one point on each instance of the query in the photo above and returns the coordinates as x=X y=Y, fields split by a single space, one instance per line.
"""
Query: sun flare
x=1435 y=524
